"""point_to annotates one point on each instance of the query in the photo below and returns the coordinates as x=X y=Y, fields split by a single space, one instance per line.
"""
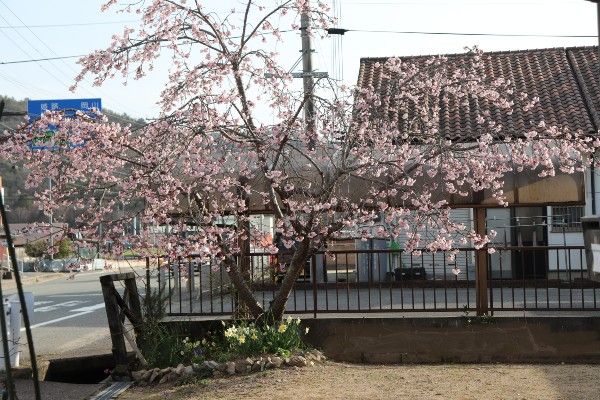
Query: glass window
x=566 y=218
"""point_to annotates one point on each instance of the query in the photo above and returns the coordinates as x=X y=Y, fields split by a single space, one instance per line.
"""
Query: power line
x=24 y=85
x=24 y=51
x=40 y=59
x=464 y=3
x=341 y=31
x=34 y=47
x=67 y=25
x=83 y=55
x=57 y=56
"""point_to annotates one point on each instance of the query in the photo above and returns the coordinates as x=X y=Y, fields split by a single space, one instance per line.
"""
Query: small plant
x=247 y=339
x=160 y=346
x=479 y=319
x=163 y=347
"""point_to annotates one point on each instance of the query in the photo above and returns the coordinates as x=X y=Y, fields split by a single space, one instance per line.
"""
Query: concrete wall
x=444 y=339
x=437 y=340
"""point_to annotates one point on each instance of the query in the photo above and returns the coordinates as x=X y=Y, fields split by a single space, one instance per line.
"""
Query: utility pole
x=51 y=224
x=598 y=17
x=307 y=76
x=592 y=168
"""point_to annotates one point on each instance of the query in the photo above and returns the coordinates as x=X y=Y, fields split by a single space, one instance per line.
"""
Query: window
x=566 y=218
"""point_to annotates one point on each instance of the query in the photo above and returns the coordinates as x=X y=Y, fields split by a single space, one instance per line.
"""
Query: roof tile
x=550 y=74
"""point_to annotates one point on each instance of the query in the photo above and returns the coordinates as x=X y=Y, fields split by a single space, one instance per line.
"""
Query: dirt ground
x=346 y=381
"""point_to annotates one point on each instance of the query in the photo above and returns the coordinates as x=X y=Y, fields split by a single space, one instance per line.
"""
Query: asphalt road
x=69 y=318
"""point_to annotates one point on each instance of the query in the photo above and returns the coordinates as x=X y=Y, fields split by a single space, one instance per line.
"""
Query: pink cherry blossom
x=209 y=160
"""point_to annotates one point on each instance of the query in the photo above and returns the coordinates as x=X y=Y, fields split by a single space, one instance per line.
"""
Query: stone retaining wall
x=460 y=340
x=449 y=339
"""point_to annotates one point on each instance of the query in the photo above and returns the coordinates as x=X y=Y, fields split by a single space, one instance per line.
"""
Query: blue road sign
x=35 y=108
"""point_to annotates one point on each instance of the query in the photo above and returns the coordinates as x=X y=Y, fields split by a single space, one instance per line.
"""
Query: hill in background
x=10 y=104
x=19 y=199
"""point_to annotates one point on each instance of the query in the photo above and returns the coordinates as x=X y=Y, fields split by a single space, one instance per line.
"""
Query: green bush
x=163 y=347
x=65 y=248
x=160 y=346
x=36 y=249
x=39 y=249
x=247 y=339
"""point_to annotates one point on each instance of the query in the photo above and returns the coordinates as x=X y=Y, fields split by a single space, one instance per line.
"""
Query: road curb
x=9 y=284
x=46 y=277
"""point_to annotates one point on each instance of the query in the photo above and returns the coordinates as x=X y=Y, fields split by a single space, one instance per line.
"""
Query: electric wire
x=25 y=51
x=67 y=25
x=463 y=2
x=361 y=31
x=24 y=85
x=61 y=59
x=470 y=33
x=40 y=59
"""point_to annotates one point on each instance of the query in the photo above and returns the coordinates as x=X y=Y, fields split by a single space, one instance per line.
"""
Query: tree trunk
x=241 y=310
x=298 y=262
x=244 y=292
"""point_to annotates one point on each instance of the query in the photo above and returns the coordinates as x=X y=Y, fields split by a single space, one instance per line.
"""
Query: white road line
x=39 y=303
x=89 y=308
x=56 y=306
x=80 y=311
x=58 y=320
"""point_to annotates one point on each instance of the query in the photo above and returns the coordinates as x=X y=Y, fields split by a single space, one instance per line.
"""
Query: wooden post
x=134 y=303
x=481 y=266
x=121 y=370
x=245 y=260
x=30 y=345
x=313 y=273
x=148 y=276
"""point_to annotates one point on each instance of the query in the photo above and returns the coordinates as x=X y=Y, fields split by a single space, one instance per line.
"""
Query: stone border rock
x=215 y=369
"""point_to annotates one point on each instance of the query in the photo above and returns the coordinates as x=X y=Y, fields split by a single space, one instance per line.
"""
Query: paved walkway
x=55 y=390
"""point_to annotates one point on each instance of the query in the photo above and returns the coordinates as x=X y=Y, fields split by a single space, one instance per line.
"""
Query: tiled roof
x=584 y=62
x=27 y=233
x=565 y=80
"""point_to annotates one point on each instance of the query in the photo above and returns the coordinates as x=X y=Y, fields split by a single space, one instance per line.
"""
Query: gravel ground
x=345 y=381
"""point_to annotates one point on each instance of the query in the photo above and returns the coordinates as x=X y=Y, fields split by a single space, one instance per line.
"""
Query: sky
x=34 y=29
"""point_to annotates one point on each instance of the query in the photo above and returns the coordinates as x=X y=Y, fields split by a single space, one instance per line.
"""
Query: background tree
x=40 y=249
x=18 y=198
x=64 y=248
x=37 y=249
x=211 y=155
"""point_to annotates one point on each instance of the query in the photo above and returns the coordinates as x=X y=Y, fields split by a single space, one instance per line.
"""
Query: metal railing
x=540 y=278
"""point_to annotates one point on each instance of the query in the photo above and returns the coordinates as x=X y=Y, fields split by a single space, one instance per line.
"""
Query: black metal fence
x=548 y=278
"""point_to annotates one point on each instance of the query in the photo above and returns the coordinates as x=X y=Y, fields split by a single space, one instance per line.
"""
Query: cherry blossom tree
x=367 y=170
